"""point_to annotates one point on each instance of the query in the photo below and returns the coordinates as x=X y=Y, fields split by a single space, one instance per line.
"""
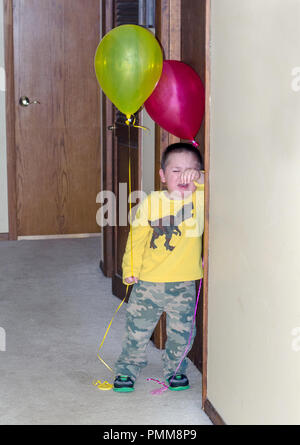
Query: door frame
x=168 y=27
x=169 y=22
x=205 y=402
x=107 y=261
x=10 y=117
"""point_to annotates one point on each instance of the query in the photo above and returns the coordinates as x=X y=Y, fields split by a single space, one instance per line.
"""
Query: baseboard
x=4 y=236
x=212 y=413
x=45 y=237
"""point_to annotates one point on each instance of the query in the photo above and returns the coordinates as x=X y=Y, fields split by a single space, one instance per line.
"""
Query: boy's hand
x=189 y=175
x=130 y=280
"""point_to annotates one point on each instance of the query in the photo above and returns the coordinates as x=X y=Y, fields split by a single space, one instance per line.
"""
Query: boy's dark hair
x=180 y=147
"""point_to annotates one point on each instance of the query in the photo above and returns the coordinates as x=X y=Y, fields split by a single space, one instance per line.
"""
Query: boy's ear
x=162 y=175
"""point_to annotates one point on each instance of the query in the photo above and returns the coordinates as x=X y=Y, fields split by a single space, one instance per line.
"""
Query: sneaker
x=178 y=383
x=123 y=383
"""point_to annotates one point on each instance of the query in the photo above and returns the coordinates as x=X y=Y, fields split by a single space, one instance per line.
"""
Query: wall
x=3 y=164
x=254 y=249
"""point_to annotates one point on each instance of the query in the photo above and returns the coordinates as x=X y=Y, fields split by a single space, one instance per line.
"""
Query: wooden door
x=57 y=139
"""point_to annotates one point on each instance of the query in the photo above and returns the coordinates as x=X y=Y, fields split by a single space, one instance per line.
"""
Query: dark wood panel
x=126 y=146
x=127 y=12
x=119 y=289
x=122 y=232
x=115 y=13
x=212 y=413
x=107 y=262
x=193 y=40
x=193 y=46
x=126 y=143
x=197 y=350
x=168 y=33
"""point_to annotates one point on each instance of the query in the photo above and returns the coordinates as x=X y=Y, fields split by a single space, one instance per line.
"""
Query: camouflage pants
x=147 y=302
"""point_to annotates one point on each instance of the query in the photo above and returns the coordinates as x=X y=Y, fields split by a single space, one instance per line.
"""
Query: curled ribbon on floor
x=104 y=386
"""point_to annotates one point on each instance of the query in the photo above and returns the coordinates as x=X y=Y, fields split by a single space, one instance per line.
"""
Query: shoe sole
x=123 y=389
x=178 y=388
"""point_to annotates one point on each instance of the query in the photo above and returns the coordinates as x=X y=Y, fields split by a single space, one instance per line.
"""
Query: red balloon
x=177 y=103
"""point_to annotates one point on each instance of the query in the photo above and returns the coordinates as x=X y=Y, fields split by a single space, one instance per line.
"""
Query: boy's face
x=177 y=163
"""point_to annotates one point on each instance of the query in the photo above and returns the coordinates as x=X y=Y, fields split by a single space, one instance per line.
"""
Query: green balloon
x=128 y=65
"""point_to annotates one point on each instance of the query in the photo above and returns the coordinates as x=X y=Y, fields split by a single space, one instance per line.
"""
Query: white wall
x=254 y=249
x=3 y=164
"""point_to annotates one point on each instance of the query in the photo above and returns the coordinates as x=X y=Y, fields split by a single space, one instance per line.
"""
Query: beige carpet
x=55 y=307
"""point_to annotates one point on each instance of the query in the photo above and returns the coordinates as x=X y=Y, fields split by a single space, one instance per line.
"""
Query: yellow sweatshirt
x=166 y=239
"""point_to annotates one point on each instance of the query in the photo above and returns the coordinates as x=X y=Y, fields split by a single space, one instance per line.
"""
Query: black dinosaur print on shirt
x=168 y=226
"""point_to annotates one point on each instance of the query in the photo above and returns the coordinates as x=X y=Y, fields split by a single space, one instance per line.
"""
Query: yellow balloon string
x=129 y=185
x=105 y=386
x=106 y=332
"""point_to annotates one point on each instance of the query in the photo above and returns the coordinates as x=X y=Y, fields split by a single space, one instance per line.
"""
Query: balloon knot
x=195 y=144
x=129 y=119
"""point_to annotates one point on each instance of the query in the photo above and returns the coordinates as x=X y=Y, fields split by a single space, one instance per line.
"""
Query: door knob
x=25 y=102
x=111 y=127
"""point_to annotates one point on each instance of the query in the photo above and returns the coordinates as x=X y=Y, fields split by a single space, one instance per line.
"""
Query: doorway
x=53 y=117
x=184 y=35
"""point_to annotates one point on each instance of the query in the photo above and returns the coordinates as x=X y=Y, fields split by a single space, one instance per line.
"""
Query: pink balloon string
x=164 y=386
x=160 y=390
